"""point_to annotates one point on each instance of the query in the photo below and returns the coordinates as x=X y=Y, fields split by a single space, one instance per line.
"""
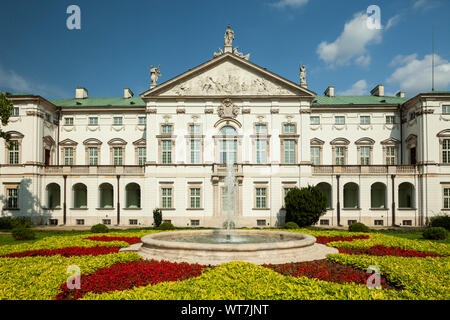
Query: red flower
x=325 y=240
x=65 y=252
x=381 y=250
x=130 y=240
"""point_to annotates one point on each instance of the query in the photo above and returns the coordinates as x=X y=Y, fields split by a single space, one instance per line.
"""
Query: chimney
x=329 y=92
x=127 y=93
x=400 y=94
x=81 y=93
x=378 y=91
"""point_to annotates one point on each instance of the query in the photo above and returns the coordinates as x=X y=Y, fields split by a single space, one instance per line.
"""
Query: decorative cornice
x=181 y=110
x=246 y=111
x=209 y=111
x=152 y=111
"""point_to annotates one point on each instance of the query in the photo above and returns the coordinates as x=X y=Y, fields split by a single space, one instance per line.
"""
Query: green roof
x=100 y=102
x=357 y=100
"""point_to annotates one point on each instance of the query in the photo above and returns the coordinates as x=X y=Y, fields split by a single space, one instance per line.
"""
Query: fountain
x=213 y=247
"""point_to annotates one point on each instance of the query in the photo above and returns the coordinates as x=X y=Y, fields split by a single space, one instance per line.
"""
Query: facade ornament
x=303 y=76
x=228 y=39
x=155 y=73
x=216 y=54
x=240 y=54
x=228 y=109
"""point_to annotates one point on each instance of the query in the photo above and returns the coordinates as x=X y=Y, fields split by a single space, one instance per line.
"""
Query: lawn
x=411 y=268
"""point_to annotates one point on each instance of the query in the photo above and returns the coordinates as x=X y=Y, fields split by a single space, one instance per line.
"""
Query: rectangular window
x=142 y=120
x=407 y=222
x=365 y=155
x=228 y=151
x=446 y=109
x=13 y=198
x=315 y=156
x=13 y=152
x=48 y=117
x=339 y=120
x=289 y=151
x=390 y=119
x=53 y=222
x=378 y=222
x=390 y=156
x=195 y=223
x=118 y=156
x=412 y=115
x=167 y=151
x=364 y=120
x=118 y=121
x=446 y=151
x=93 y=121
x=261 y=129
x=15 y=112
x=289 y=128
x=106 y=221
x=195 y=198
x=324 y=222
x=68 y=156
x=68 y=121
x=339 y=156
x=261 y=222
x=349 y=222
x=261 y=198
x=93 y=156
x=166 y=129
x=446 y=198
x=194 y=129
x=167 y=221
x=166 y=198
x=285 y=192
x=261 y=151
x=142 y=156
x=133 y=222
x=195 y=151
x=314 y=120
x=80 y=222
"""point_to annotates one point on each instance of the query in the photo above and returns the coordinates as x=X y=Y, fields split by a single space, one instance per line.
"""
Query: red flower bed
x=122 y=276
x=325 y=240
x=381 y=250
x=130 y=240
x=327 y=271
x=65 y=252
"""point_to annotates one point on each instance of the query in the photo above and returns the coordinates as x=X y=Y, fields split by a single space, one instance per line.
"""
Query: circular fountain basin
x=211 y=247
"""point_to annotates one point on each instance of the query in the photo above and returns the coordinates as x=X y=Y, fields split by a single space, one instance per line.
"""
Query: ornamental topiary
x=358 y=227
x=22 y=233
x=305 y=206
x=8 y=223
x=166 y=226
x=99 y=228
x=435 y=233
x=157 y=217
x=442 y=221
x=291 y=225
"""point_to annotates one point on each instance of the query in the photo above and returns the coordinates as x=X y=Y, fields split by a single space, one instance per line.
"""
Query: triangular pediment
x=228 y=75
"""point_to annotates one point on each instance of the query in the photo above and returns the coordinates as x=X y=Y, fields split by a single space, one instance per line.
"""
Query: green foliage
x=99 y=228
x=225 y=225
x=291 y=225
x=166 y=226
x=358 y=227
x=440 y=221
x=6 y=108
x=8 y=223
x=305 y=206
x=157 y=217
x=435 y=233
x=22 y=233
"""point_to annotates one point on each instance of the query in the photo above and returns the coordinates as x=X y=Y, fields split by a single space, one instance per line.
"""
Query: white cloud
x=290 y=3
x=401 y=59
x=351 y=44
x=392 y=21
x=424 y=4
x=359 y=88
x=413 y=75
x=11 y=81
x=363 y=61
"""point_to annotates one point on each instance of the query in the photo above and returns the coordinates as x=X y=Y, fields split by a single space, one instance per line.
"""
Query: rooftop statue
x=155 y=73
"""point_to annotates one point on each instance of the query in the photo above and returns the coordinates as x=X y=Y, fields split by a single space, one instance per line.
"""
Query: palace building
x=381 y=160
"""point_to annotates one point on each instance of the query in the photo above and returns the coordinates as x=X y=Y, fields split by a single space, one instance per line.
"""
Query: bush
x=435 y=233
x=157 y=217
x=99 y=228
x=358 y=227
x=291 y=225
x=8 y=223
x=166 y=226
x=305 y=206
x=442 y=221
x=22 y=233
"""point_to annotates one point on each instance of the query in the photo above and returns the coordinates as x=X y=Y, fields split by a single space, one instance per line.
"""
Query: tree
x=305 y=206
x=157 y=217
x=6 y=108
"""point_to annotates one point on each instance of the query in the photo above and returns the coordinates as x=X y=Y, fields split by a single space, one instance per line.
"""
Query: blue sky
x=119 y=40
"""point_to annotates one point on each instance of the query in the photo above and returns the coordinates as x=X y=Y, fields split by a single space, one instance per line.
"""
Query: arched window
x=351 y=195
x=326 y=189
x=79 y=192
x=133 y=196
x=106 y=196
x=406 y=195
x=228 y=144
x=53 y=196
x=378 y=195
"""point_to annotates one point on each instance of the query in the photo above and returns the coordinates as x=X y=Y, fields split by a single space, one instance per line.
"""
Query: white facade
x=381 y=160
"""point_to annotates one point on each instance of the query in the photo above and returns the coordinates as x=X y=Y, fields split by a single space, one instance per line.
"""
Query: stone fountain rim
x=299 y=240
